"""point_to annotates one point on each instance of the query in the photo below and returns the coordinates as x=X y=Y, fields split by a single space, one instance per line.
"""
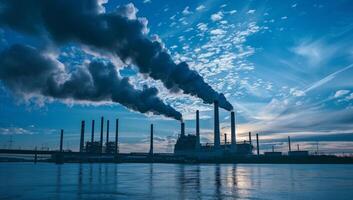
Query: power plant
x=187 y=149
x=190 y=146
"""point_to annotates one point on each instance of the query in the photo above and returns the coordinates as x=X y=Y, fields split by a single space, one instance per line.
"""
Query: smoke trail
x=26 y=71
x=120 y=33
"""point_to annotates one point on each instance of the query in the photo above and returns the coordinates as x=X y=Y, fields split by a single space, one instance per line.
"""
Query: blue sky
x=286 y=67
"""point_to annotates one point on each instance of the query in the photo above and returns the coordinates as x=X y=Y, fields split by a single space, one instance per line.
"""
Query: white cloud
x=232 y=12
x=316 y=52
x=101 y=7
x=128 y=10
x=200 y=7
x=272 y=110
x=284 y=17
x=251 y=11
x=349 y=97
x=186 y=11
x=217 y=16
x=147 y=1
x=202 y=26
x=172 y=17
x=217 y=31
x=341 y=93
x=15 y=131
x=296 y=92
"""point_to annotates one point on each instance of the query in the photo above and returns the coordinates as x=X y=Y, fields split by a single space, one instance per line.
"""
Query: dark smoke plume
x=26 y=71
x=119 y=33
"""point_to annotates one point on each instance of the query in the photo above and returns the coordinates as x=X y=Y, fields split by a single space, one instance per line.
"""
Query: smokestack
x=257 y=144
x=217 y=139
x=107 y=132
x=197 y=130
x=182 y=129
x=82 y=139
x=232 y=129
x=298 y=146
x=151 y=141
x=289 y=145
x=92 y=136
x=116 y=135
x=250 y=138
x=225 y=139
x=101 y=138
x=61 y=140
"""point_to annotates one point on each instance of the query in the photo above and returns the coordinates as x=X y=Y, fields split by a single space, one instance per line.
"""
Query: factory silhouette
x=187 y=149
x=186 y=145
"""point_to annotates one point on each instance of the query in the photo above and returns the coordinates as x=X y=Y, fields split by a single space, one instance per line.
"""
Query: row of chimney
x=217 y=136
x=82 y=137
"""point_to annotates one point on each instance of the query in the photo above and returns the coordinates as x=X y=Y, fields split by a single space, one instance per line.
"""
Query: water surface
x=175 y=181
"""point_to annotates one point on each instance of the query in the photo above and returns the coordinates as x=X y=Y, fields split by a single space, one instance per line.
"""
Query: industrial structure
x=190 y=146
x=97 y=147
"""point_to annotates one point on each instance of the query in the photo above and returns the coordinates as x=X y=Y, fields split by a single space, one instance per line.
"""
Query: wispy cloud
x=341 y=93
x=327 y=78
x=217 y=16
x=200 y=8
x=15 y=131
x=316 y=52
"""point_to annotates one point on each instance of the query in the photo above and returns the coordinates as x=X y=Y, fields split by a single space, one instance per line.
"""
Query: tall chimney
x=197 y=129
x=289 y=145
x=250 y=138
x=116 y=135
x=232 y=130
x=107 y=133
x=225 y=139
x=217 y=139
x=101 y=138
x=257 y=144
x=92 y=136
x=61 y=140
x=82 y=139
x=182 y=129
x=151 y=141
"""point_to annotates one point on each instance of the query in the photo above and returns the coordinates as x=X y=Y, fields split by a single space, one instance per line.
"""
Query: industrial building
x=98 y=147
x=188 y=148
x=190 y=145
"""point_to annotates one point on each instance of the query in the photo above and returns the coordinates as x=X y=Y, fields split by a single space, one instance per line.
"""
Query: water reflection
x=188 y=181
x=58 y=182
x=166 y=181
x=79 y=176
x=148 y=181
x=218 y=183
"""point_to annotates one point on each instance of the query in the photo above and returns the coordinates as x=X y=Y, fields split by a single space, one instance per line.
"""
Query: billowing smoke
x=119 y=33
x=26 y=71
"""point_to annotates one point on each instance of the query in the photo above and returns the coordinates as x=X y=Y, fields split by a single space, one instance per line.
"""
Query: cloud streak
x=327 y=78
